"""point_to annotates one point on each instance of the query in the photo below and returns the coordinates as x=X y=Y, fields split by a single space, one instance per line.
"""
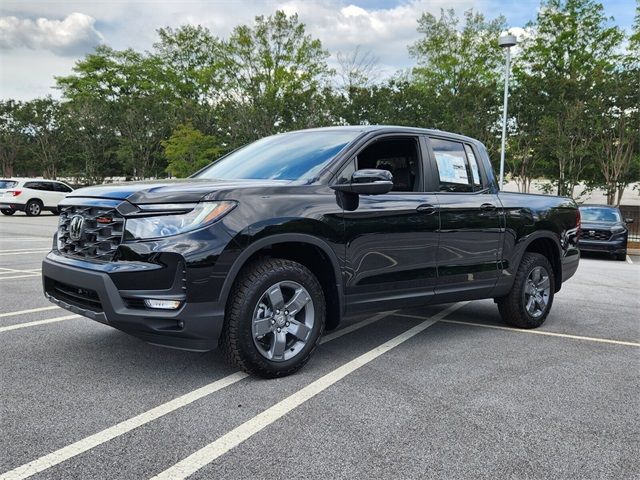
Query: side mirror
x=367 y=182
x=628 y=221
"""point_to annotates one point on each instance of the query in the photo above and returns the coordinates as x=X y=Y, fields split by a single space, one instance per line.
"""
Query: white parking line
x=92 y=441
x=533 y=332
x=235 y=437
x=629 y=260
x=31 y=310
x=21 y=276
x=36 y=323
x=24 y=253
x=12 y=250
x=4 y=270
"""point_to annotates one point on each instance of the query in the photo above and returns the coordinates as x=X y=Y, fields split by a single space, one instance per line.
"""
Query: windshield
x=599 y=214
x=8 y=183
x=289 y=156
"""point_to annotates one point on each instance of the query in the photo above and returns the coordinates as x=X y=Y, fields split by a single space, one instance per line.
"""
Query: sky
x=42 y=39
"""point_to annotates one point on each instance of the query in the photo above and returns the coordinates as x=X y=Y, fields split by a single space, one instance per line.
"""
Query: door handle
x=426 y=208
x=487 y=207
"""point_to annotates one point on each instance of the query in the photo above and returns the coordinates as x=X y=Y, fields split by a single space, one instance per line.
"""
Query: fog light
x=162 y=304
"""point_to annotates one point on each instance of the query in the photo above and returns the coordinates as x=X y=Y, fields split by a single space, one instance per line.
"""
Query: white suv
x=31 y=195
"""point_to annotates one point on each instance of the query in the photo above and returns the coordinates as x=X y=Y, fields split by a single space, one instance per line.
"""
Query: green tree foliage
x=459 y=71
x=572 y=47
x=188 y=150
x=273 y=77
x=574 y=111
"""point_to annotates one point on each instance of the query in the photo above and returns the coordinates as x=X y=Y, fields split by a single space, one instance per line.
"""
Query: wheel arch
x=298 y=247
x=546 y=244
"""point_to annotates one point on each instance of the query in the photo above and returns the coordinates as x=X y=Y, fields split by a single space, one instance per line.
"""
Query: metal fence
x=632 y=211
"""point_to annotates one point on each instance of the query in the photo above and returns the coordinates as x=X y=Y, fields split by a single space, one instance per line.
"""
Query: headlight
x=164 y=221
x=617 y=229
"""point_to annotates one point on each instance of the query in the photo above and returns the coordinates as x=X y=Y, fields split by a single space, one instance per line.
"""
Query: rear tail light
x=578 y=223
x=14 y=193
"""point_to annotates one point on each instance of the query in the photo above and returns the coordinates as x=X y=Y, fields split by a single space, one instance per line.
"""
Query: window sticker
x=451 y=168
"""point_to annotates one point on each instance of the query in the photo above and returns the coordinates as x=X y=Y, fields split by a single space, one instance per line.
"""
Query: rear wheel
x=274 y=319
x=529 y=301
x=33 y=208
x=7 y=211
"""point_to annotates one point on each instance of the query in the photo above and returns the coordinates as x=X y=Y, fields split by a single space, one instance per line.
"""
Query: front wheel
x=274 y=318
x=529 y=301
x=7 y=211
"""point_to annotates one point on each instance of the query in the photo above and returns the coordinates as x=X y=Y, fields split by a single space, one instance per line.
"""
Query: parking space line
x=4 y=270
x=92 y=441
x=533 y=332
x=36 y=323
x=11 y=250
x=629 y=260
x=31 y=310
x=24 y=253
x=21 y=276
x=235 y=437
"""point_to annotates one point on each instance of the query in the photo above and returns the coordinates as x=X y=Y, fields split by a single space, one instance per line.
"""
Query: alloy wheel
x=537 y=290
x=282 y=321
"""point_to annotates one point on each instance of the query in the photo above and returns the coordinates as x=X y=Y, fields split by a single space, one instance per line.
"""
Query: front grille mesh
x=596 y=234
x=99 y=237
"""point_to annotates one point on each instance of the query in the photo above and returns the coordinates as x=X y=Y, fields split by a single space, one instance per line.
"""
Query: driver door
x=391 y=239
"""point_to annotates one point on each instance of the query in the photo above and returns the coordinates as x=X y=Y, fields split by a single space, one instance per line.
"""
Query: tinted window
x=34 y=185
x=61 y=187
x=290 y=156
x=8 y=183
x=397 y=155
x=599 y=214
x=453 y=167
x=475 y=170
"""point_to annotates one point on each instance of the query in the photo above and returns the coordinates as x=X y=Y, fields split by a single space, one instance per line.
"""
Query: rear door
x=391 y=239
x=470 y=219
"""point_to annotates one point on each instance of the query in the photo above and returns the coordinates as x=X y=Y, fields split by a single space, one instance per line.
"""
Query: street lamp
x=505 y=41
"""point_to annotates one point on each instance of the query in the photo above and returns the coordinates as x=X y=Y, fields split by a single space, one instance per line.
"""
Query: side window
x=397 y=155
x=49 y=186
x=33 y=185
x=345 y=175
x=454 y=172
x=61 y=187
x=475 y=170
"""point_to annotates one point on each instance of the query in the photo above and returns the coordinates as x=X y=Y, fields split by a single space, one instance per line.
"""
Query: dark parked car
x=604 y=230
x=268 y=246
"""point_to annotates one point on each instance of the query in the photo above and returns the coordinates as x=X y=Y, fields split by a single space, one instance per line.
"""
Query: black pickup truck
x=268 y=246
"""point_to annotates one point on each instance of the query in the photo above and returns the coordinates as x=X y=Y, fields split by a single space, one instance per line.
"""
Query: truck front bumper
x=87 y=289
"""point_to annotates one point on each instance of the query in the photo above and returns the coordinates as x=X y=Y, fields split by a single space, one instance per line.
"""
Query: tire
x=33 y=208
x=515 y=308
x=55 y=212
x=7 y=211
x=256 y=330
x=621 y=257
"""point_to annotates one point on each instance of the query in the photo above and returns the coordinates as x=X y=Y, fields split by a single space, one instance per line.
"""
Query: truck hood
x=168 y=191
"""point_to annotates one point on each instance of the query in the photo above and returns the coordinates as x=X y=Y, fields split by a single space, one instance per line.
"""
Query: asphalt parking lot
x=438 y=392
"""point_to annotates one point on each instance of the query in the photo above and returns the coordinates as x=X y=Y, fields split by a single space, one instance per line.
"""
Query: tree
x=131 y=88
x=273 y=77
x=460 y=71
x=572 y=46
x=12 y=138
x=188 y=150
x=44 y=127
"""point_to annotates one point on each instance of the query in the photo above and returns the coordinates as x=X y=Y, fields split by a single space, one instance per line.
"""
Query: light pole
x=505 y=41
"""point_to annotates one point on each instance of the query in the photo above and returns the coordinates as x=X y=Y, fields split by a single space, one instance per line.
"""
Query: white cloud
x=74 y=35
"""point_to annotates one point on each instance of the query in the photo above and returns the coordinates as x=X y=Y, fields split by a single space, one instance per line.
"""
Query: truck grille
x=596 y=234
x=89 y=232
